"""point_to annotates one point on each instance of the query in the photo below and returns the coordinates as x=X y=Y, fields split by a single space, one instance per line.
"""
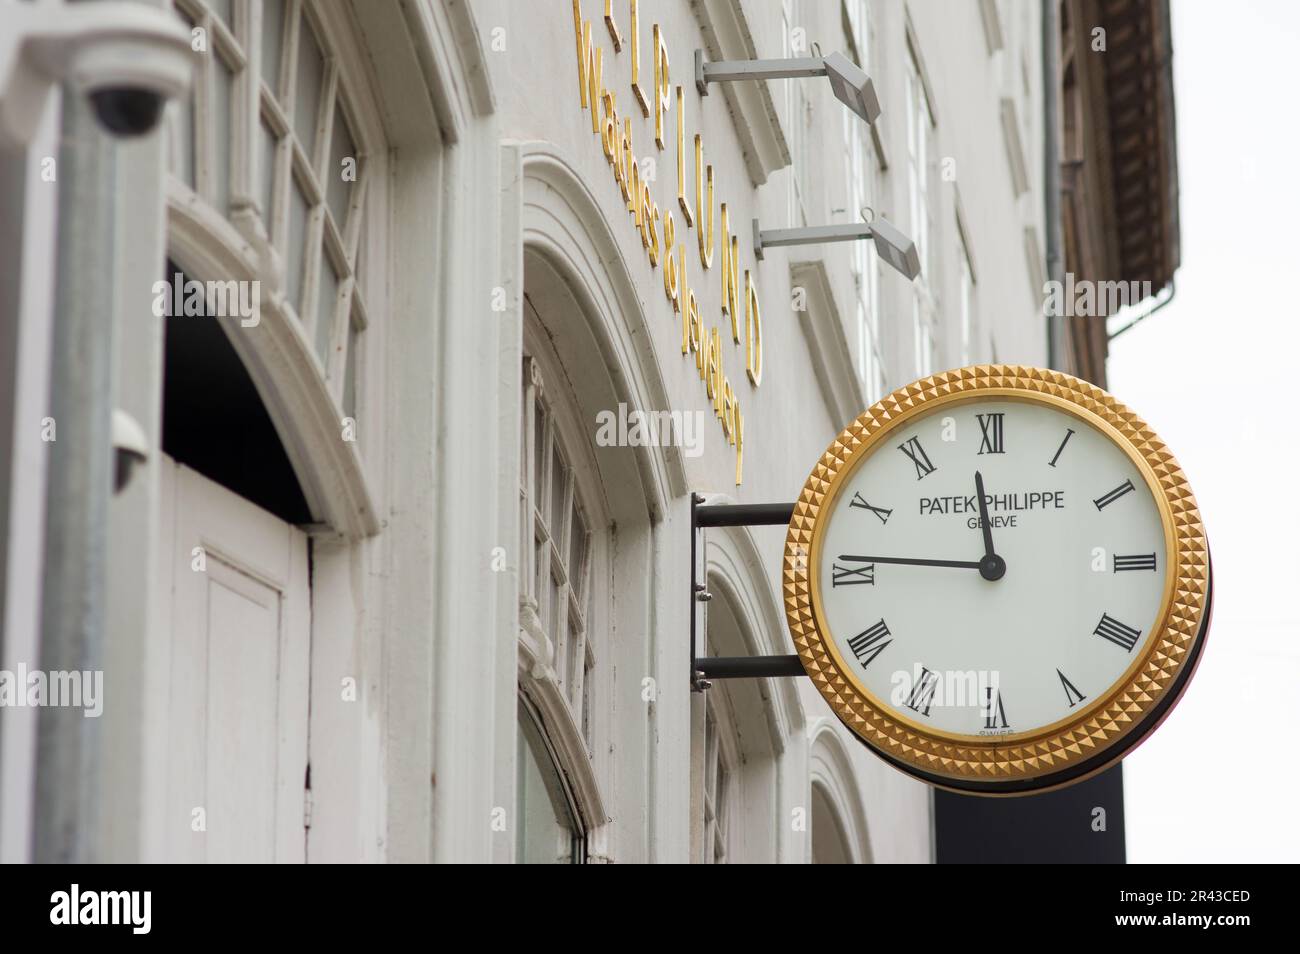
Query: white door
x=239 y=616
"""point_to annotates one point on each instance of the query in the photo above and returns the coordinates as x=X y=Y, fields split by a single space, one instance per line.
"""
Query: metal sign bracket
x=707 y=668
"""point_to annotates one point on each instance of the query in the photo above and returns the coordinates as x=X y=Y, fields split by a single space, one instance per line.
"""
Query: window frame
x=574 y=711
x=255 y=108
x=920 y=150
x=721 y=780
x=862 y=175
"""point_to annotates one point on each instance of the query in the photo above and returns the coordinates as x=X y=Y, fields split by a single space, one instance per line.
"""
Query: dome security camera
x=130 y=448
x=126 y=58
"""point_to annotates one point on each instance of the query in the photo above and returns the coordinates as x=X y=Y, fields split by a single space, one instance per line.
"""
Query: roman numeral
x=1105 y=500
x=991 y=433
x=993 y=710
x=1069 y=431
x=861 y=502
x=1140 y=561
x=916 y=453
x=870 y=643
x=850 y=574
x=922 y=695
x=1117 y=632
x=1070 y=691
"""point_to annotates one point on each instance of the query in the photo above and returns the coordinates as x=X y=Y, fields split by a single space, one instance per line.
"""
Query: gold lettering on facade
x=617 y=144
x=703 y=235
x=713 y=371
x=687 y=214
x=582 y=65
x=590 y=67
x=753 y=333
x=670 y=266
x=614 y=35
x=730 y=277
x=651 y=217
x=662 y=93
x=609 y=127
x=637 y=92
x=628 y=164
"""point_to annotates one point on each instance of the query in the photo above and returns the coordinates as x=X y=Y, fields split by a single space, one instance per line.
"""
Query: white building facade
x=401 y=578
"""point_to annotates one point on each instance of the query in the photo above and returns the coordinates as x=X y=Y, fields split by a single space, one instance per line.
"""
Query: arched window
x=719 y=776
x=274 y=167
x=734 y=791
x=838 y=818
x=562 y=596
x=829 y=843
x=547 y=830
x=557 y=592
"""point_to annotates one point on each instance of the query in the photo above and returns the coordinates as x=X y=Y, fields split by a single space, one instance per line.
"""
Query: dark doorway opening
x=213 y=419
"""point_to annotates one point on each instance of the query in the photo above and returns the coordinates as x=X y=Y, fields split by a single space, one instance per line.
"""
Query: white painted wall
x=490 y=156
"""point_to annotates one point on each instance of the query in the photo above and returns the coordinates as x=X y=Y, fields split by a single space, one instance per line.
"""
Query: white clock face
x=972 y=641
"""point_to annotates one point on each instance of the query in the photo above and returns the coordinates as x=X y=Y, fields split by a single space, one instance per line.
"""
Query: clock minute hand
x=992 y=567
x=910 y=561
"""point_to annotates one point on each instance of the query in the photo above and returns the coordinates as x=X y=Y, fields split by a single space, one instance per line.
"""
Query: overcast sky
x=1215 y=373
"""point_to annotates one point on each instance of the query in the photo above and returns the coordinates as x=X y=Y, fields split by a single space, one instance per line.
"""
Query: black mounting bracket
x=704 y=669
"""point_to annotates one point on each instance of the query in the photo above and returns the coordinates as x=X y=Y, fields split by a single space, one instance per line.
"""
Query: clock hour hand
x=992 y=567
x=910 y=561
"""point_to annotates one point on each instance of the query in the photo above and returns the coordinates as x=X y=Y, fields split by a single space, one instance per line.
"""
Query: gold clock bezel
x=1080 y=737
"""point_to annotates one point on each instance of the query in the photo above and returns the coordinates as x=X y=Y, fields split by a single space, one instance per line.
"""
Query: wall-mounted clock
x=998 y=578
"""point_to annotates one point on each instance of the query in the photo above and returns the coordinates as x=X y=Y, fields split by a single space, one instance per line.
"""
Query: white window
x=860 y=176
x=557 y=535
x=920 y=206
x=547 y=829
x=269 y=136
x=918 y=172
x=719 y=771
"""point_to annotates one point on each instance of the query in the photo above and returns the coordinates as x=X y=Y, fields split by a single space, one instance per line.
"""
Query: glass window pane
x=272 y=42
x=350 y=370
x=327 y=301
x=541 y=574
x=311 y=77
x=587 y=695
x=359 y=265
x=553 y=627
x=539 y=460
x=545 y=831
x=578 y=554
x=183 y=159
x=298 y=210
x=221 y=9
x=222 y=94
x=559 y=478
x=338 y=191
x=266 y=150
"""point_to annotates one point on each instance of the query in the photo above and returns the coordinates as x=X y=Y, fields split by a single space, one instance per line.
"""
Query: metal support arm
x=704 y=669
x=810 y=235
x=726 y=71
x=892 y=245
x=850 y=85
